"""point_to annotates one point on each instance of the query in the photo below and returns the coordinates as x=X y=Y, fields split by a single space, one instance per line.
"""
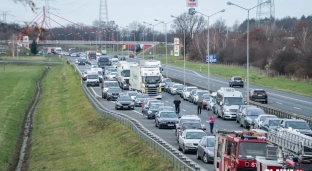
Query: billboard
x=26 y=42
x=176 y=41
x=212 y=59
x=176 y=50
x=191 y=3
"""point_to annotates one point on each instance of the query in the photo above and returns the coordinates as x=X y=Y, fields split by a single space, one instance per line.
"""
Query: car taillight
x=265 y=94
x=178 y=127
x=254 y=94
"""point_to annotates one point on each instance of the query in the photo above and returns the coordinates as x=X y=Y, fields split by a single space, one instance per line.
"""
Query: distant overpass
x=75 y=42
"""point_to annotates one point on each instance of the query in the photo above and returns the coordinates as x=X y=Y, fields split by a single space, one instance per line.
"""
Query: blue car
x=151 y=110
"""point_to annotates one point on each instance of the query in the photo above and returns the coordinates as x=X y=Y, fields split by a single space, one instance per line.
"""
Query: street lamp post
x=184 y=56
x=230 y=3
x=153 y=36
x=166 y=43
x=208 y=45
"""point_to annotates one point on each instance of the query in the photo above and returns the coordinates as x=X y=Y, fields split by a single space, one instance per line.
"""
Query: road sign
x=176 y=50
x=191 y=11
x=176 y=41
x=212 y=59
x=159 y=55
x=191 y=3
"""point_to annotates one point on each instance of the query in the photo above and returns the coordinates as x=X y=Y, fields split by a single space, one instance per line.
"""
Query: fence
x=268 y=109
x=178 y=160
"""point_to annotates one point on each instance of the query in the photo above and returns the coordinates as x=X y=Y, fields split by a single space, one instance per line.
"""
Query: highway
x=168 y=134
x=279 y=99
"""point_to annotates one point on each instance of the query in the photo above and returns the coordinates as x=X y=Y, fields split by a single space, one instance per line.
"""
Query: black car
x=205 y=149
x=81 y=62
x=139 y=98
x=258 y=95
x=124 y=102
x=236 y=81
x=152 y=109
x=115 y=56
x=166 y=119
x=113 y=93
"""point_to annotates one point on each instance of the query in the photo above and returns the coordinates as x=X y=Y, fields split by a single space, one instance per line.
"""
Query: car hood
x=140 y=99
x=124 y=102
x=231 y=107
x=132 y=97
x=305 y=131
x=169 y=119
x=209 y=150
x=191 y=141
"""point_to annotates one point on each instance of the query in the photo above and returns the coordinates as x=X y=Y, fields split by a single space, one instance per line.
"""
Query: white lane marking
x=250 y=88
x=137 y=112
x=95 y=92
x=197 y=73
x=112 y=102
x=297 y=108
x=279 y=103
x=183 y=110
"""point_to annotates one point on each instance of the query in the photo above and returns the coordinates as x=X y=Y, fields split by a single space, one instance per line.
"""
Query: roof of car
x=190 y=123
x=133 y=92
x=193 y=130
x=189 y=117
x=124 y=96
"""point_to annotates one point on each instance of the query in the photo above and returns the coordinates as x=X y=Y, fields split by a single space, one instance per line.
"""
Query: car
x=131 y=56
x=151 y=110
x=144 y=102
x=100 y=76
x=132 y=94
x=249 y=114
x=115 y=56
x=270 y=124
x=189 y=140
x=148 y=103
x=258 y=95
x=205 y=149
x=189 y=125
x=84 y=75
x=139 y=98
x=186 y=92
x=81 y=62
x=168 y=86
x=106 y=85
x=124 y=102
x=173 y=89
x=186 y=118
x=301 y=125
x=113 y=93
x=259 y=120
x=76 y=61
x=92 y=79
x=212 y=102
x=166 y=119
x=164 y=81
x=236 y=81
x=111 y=76
x=198 y=94
x=206 y=99
x=192 y=94
x=240 y=110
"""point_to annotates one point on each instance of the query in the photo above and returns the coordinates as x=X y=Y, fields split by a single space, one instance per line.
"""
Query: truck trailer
x=123 y=73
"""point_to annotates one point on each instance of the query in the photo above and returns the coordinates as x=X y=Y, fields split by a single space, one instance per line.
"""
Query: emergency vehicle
x=237 y=150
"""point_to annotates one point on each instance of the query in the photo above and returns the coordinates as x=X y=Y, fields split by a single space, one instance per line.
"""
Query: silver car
x=111 y=76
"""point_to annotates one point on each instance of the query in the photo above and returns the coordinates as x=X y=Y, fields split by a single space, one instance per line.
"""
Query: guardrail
x=268 y=109
x=176 y=158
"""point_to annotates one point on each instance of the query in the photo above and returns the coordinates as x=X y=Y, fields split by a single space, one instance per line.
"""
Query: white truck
x=151 y=63
x=123 y=73
x=146 y=79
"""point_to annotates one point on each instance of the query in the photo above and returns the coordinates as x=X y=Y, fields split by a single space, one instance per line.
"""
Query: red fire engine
x=237 y=150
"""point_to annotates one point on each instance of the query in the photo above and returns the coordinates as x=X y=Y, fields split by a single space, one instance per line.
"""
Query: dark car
x=113 y=93
x=115 y=56
x=258 y=95
x=151 y=110
x=131 y=56
x=166 y=119
x=205 y=149
x=81 y=62
x=270 y=124
x=167 y=86
x=139 y=98
x=180 y=90
x=249 y=114
x=236 y=81
x=147 y=103
x=124 y=102
x=301 y=125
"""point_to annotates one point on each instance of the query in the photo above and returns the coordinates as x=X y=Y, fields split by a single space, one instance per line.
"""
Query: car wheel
x=108 y=99
x=183 y=150
x=266 y=102
x=197 y=155
x=132 y=108
x=148 y=117
x=205 y=158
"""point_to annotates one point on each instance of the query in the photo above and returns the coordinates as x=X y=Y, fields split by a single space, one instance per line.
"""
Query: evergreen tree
x=33 y=47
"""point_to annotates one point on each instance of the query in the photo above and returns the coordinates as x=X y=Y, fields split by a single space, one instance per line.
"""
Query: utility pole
x=4 y=14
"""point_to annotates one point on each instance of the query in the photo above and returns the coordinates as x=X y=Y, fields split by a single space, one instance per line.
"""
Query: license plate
x=170 y=124
x=259 y=94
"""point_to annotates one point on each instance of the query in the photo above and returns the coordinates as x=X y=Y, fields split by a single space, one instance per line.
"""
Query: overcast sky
x=124 y=12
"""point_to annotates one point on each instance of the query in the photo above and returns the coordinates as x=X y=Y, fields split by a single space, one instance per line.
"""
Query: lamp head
x=223 y=10
x=229 y=3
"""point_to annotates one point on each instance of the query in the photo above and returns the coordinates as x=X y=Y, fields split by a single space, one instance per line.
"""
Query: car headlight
x=118 y=104
x=227 y=110
x=188 y=144
x=210 y=153
x=149 y=112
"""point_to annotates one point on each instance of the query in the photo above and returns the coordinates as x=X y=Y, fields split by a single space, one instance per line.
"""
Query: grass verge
x=35 y=58
x=227 y=71
x=68 y=133
x=18 y=88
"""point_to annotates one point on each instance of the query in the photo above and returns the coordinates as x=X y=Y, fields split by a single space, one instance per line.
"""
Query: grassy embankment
x=69 y=134
x=17 y=90
x=35 y=58
x=227 y=71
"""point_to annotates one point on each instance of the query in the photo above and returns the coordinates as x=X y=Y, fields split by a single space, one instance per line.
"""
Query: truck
x=146 y=79
x=91 y=55
x=152 y=63
x=123 y=73
x=103 y=61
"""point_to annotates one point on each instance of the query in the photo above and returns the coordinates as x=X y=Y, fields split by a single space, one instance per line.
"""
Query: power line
x=4 y=14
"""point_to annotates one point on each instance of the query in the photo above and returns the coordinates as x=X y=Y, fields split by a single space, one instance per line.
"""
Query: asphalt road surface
x=169 y=134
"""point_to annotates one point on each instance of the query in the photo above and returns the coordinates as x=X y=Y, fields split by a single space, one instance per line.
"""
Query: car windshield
x=297 y=125
x=180 y=87
x=190 y=89
x=189 y=120
x=166 y=80
x=274 y=122
x=253 y=117
x=206 y=96
x=152 y=79
x=114 y=90
x=141 y=96
x=200 y=93
x=263 y=118
x=93 y=76
x=168 y=115
x=176 y=86
x=132 y=93
x=124 y=99
x=249 y=150
x=233 y=101
x=237 y=78
x=153 y=101
x=111 y=84
x=191 y=126
x=167 y=109
x=255 y=111
x=111 y=70
x=211 y=142
x=113 y=73
x=156 y=106
x=194 y=135
x=126 y=73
